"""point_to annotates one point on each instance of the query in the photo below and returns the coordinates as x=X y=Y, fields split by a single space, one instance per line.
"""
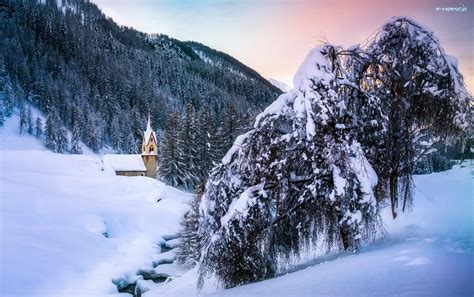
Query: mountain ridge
x=75 y=61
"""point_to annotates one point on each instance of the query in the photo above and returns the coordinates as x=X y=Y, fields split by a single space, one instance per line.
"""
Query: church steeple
x=150 y=150
x=149 y=145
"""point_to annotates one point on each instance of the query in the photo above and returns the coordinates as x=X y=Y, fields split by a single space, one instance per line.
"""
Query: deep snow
x=427 y=252
x=69 y=228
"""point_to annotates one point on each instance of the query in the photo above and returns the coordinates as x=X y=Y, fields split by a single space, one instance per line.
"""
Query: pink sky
x=274 y=36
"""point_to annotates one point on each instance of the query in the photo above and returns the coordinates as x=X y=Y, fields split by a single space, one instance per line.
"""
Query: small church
x=137 y=165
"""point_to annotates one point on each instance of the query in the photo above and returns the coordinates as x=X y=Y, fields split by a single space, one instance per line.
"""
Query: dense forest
x=100 y=80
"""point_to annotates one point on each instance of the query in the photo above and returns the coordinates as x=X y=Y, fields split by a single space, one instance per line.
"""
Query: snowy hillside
x=428 y=252
x=280 y=85
x=67 y=227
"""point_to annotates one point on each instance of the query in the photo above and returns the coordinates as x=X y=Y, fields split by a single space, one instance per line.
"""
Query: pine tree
x=206 y=145
x=10 y=98
x=63 y=141
x=56 y=134
x=229 y=128
x=51 y=130
x=116 y=136
x=76 y=140
x=189 y=253
x=29 y=120
x=171 y=166
x=131 y=146
x=187 y=141
x=22 y=124
x=2 y=115
x=38 y=127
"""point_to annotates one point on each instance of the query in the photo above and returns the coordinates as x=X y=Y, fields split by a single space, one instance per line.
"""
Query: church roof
x=148 y=132
x=124 y=162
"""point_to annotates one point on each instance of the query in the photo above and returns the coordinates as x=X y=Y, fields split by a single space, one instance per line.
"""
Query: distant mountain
x=280 y=85
x=71 y=60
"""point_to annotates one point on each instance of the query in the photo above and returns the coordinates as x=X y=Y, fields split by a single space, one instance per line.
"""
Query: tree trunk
x=345 y=238
x=394 y=194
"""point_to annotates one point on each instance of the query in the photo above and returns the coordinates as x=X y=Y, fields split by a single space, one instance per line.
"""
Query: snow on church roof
x=148 y=132
x=124 y=162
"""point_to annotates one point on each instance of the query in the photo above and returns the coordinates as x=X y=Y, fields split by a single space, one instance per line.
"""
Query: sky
x=274 y=36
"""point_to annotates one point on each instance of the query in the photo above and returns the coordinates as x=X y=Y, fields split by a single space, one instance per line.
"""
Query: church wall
x=151 y=163
x=131 y=173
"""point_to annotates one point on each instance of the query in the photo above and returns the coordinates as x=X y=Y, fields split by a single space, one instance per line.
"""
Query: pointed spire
x=148 y=125
x=147 y=134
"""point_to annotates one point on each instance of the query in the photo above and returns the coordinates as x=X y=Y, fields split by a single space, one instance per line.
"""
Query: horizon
x=274 y=37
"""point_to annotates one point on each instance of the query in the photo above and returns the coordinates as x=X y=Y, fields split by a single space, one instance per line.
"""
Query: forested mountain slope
x=77 y=65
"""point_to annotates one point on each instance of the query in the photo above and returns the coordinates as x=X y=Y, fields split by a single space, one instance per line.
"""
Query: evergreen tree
x=56 y=134
x=116 y=136
x=76 y=140
x=29 y=120
x=189 y=253
x=10 y=99
x=206 y=145
x=63 y=141
x=38 y=127
x=131 y=146
x=22 y=124
x=2 y=115
x=171 y=166
x=187 y=141
x=229 y=128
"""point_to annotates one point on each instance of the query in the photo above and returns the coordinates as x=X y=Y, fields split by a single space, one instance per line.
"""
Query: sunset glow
x=273 y=37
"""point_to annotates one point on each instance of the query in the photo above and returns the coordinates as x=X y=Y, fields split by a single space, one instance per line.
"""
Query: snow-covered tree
x=2 y=115
x=63 y=141
x=422 y=98
x=116 y=135
x=38 y=127
x=206 y=145
x=171 y=167
x=29 y=120
x=130 y=145
x=298 y=177
x=187 y=141
x=23 y=122
x=76 y=140
x=189 y=253
x=56 y=134
x=10 y=100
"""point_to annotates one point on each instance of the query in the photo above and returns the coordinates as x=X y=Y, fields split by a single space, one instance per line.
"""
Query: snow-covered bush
x=298 y=177
x=189 y=253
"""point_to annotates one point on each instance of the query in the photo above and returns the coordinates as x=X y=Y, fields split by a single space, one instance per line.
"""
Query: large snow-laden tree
x=298 y=177
x=421 y=101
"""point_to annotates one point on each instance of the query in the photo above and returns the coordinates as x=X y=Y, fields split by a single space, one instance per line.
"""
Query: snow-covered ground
x=69 y=228
x=428 y=252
